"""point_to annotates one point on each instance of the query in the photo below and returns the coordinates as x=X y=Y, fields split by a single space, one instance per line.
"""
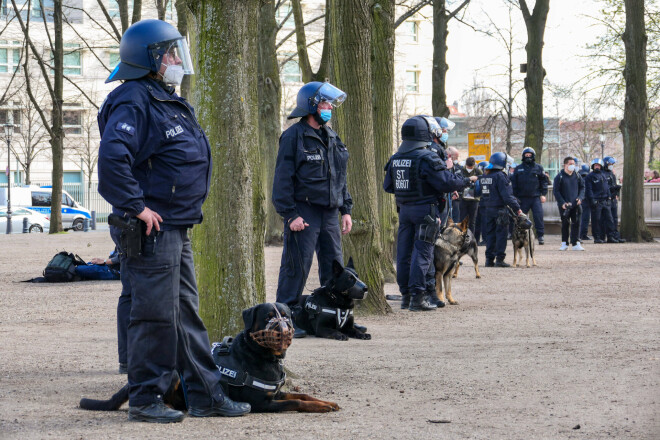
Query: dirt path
x=528 y=353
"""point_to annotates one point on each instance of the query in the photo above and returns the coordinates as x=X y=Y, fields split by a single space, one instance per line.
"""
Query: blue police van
x=39 y=199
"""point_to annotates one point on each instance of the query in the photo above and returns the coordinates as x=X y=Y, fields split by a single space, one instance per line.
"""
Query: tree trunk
x=123 y=14
x=137 y=11
x=229 y=246
x=440 y=67
x=308 y=73
x=351 y=68
x=535 y=24
x=634 y=124
x=56 y=141
x=382 y=78
x=270 y=98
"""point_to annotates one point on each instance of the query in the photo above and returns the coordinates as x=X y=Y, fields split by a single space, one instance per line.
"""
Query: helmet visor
x=173 y=52
x=434 y=127
x=447 y=124
x=328 y=93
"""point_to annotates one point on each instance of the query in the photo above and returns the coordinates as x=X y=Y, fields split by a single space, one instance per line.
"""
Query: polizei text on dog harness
x=341 y=315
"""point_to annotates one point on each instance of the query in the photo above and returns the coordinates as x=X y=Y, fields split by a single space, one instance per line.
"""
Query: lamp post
x=602 y=145
x=9 y=131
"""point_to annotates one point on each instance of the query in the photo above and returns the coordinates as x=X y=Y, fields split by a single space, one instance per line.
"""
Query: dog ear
x=350 y=263
x=450 y=221
x=249 y=316
x=337 y=268
x=464 y=223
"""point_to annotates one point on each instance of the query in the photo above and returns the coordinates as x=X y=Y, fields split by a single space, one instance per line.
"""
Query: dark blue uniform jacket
x=568 y=188
x=611 y=182
x=153 y=153
x=596 y=187
x=418 y=177
x=495 y=189
x=307 y=170
x=528 y=180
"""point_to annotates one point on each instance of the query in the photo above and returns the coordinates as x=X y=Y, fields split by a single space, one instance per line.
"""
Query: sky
x=567 y=33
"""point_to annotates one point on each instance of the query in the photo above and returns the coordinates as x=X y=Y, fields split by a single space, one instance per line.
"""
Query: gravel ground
x=568 y=349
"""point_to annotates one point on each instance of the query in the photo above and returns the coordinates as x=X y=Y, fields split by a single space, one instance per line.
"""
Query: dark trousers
x=570 y=218
x=586 y=216
x=612 y=229
x=495 y=233
x=601 y=218
x=413 y=256
x=455 y=210
x=123 y=313
x=480 y=224
x=165 y=331
x=322 y=236
x=470 y=208
x=534 y=203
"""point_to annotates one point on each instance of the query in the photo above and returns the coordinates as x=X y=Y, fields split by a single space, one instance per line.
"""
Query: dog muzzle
x=358 y=291
x=277 y=335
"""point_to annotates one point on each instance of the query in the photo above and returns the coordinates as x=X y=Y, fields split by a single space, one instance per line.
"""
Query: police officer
x=615 y=189
x=151 y=144
x=586 y=210
x=480 y=224
x=530 y=186
x=469 y=201
x=417 y=176
x=454 y=198
x=310 y=192
x=495 y=189
x=597 y=191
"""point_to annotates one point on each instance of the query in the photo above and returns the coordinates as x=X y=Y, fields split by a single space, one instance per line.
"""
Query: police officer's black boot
x=502 y=263
x=405 y=301
x=418 y=303
x=541 y=240
x=433 y=299
x=156 y=412
x=490 y=263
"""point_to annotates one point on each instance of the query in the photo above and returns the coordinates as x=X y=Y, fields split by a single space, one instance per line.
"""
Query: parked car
x=37 y=222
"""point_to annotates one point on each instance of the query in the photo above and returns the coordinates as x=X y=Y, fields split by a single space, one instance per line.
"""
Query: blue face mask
x=326 y=115
x=444 y=137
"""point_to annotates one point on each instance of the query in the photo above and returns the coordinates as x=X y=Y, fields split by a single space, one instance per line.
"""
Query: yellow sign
x=479 y=146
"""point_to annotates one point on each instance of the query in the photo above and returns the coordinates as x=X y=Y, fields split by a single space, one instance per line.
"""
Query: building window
x=72 y=121
x=10 y=56
x=11 y=116
x=412 y=31
x=114 y=58
x=72 y=59
x=282 y=13
x=291 y=70
x=113 y=9
x=412 y=80
x=48 y=8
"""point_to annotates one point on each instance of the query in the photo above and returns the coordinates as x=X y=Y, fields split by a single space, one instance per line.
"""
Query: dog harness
x=234 y=374
x=341 y=315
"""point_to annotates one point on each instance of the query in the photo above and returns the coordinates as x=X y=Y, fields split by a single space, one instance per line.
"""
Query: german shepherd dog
x=522 y=239
x=470 y=248
x=328 y=311
x=450 y=246
x=251 y=367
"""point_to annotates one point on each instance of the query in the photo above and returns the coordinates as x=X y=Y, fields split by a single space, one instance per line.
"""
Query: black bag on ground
x=62 y=268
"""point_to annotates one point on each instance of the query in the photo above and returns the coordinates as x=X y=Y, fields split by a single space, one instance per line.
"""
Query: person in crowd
x=310 y=192
x=495 y=189
x=146 y=129
x=480 y=224
x=530 y=186
x=469 y=204
x=655 y=177
x=568 y=189
x=586 y=210
x=417 y=177
x=454 y=199
x=598 y=192
x=615 y=190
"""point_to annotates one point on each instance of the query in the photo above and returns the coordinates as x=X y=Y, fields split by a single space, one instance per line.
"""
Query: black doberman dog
x=328 y=311
x=251 y=363
x=251 y=367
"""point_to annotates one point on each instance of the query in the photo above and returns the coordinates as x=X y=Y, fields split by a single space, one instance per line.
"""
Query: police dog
x=328 y=311
x=470 y=248
x=251 y=367
x=522 y=238
x=450 y=246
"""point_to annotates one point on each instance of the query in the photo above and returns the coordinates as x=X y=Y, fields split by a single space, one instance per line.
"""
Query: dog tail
x=531 y=244
x=111 y=404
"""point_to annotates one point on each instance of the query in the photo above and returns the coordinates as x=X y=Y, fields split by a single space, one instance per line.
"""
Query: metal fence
x=87 y=196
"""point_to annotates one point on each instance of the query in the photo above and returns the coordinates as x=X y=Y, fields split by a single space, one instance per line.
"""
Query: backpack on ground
x=62 y=268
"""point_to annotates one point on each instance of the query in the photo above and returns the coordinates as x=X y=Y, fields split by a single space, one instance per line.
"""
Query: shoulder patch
x=126 y=128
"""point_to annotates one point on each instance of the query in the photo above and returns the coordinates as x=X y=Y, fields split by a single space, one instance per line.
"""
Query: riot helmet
x=609 y=162
x=311 y=94
x=148 y=45
x=418 y=132
x=596 y=161
x=584 y=168
x=527 y=150
x=497 y=161
x=483 y=164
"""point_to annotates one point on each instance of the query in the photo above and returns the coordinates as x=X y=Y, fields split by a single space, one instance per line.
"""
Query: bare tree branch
x=287 y=36
x=412 y=11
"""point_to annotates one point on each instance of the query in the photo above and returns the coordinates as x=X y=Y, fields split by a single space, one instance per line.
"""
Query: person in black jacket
x=568 y=189
x=586 y=211
x=598 y=192
x=310 y=192
x=530 y=186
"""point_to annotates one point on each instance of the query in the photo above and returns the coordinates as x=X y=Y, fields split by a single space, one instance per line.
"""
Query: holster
x=428 y=231
x=503 y=217
x=131 y=234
